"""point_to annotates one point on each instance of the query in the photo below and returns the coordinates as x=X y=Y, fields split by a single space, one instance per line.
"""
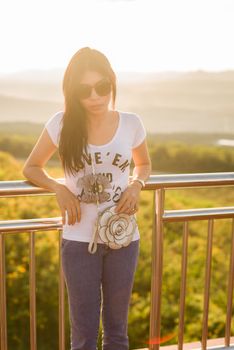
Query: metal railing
x=159 y=184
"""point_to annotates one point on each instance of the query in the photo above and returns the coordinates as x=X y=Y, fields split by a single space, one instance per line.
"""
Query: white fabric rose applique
x=90 y=184
x=116 y=229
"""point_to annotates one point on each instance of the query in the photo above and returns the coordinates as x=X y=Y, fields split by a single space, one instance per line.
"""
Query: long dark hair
x=73 y=137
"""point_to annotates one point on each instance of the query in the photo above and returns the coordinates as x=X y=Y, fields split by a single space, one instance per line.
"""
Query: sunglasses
x=102 y=88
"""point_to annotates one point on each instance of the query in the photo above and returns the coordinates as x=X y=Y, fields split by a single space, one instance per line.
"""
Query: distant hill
x=21 y=109
x=25 y=129
x=167 y=102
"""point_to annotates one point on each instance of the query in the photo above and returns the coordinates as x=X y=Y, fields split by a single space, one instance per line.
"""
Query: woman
x=88 y=130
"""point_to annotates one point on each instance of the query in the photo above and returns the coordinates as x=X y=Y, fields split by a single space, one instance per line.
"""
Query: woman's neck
x=97 y=119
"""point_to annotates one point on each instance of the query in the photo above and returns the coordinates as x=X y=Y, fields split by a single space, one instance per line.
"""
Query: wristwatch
x=142 y=182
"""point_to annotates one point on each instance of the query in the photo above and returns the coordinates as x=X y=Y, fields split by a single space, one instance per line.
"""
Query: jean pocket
x=64 y=242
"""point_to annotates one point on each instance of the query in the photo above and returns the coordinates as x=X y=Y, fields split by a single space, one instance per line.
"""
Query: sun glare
x=137 y=35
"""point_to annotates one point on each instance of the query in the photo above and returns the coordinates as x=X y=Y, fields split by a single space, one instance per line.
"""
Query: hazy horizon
x=167 y=102
x=62 y=69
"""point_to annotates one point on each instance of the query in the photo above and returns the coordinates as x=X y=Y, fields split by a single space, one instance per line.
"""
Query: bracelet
x=138 y=180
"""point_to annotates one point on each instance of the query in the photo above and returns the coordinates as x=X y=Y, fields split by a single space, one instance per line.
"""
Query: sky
x=135 y=35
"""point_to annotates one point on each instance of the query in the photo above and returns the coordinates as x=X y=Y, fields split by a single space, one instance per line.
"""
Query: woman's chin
x=98 y=109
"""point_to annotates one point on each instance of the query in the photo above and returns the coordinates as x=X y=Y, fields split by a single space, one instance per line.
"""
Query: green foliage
x=19 y=146
x=177 y=153
x=9 y=167
x=179 y=158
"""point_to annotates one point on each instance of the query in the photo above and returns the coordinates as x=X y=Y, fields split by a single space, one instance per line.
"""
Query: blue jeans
x=105 y=277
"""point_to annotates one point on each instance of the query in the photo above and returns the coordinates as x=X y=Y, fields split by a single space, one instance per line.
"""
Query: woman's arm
x=142 y=162
x=39 y=156
x=129 y=201
x=34 y=172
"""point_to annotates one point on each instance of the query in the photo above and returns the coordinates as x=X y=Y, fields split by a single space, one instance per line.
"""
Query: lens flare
x=160 y=340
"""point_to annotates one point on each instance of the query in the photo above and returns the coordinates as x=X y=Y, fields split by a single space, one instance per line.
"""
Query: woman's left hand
x=129 y=200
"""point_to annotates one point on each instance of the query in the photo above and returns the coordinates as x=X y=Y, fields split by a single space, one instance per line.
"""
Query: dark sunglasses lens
x=84 y=91
x=103 y=88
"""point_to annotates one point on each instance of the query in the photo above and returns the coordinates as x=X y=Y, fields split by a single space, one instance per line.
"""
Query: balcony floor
x=211 y=344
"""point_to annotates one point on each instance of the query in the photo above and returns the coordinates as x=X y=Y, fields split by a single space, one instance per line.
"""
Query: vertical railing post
x=32 y=291
x=3 y=317
x=61 y=299
x=183 y=285
x=230 y=292
x=207 y=284
x=157 y=267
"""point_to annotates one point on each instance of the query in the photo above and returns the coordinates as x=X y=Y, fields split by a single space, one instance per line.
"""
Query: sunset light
x=136 y=35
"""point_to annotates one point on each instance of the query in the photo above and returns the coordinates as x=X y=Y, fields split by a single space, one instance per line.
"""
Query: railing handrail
x=25 y=187
x=13 y=226
x=18 y=226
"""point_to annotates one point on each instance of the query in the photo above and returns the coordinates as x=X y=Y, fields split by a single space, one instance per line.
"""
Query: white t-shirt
x=111 y=162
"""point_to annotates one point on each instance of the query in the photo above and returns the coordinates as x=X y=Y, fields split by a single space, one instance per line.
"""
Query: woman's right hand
x=68 y=202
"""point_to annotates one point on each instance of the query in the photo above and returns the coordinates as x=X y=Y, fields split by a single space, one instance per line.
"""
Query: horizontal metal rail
x=22 y=187
x=198 y=214
x=12 y=226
